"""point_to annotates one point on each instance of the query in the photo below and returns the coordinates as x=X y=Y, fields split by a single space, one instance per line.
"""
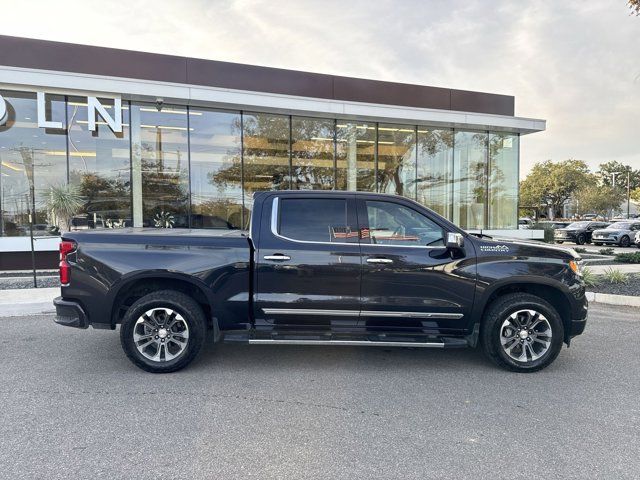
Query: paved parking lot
x=73 y=407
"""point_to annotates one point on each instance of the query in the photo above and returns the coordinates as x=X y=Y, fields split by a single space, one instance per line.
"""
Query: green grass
x=590 y=278
x=613 y=275
x=606 y=251
x=628 y=257
x=580 y=250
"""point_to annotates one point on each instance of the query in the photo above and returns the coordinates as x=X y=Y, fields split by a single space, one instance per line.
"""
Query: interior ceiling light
x=168 y=110
x=11 y=167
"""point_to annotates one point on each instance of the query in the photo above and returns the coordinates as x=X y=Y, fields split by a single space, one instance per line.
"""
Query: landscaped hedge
x=628 y=257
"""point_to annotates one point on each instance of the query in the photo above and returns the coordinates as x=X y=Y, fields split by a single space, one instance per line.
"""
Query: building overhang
x=55 y=67
x=66 y=83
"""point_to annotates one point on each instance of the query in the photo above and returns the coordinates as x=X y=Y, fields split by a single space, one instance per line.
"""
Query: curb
x=21 y=302
x=610 y=299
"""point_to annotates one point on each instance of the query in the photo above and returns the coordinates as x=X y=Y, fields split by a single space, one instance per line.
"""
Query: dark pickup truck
x=323 y=268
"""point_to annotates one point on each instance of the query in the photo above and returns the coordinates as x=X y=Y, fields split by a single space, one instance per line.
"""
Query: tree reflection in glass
x=397 y=160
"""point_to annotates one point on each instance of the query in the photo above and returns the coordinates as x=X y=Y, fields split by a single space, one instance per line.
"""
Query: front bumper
x=611 y=240
x=577 y=327
x=70 y=313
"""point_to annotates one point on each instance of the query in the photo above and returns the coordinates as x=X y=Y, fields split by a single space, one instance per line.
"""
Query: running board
x=356 y=343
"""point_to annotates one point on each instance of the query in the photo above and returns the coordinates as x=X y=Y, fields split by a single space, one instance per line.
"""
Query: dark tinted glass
x=314 y=219
x=393 y=224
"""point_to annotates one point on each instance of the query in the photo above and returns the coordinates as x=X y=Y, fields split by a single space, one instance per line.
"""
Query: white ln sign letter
x=94 y=106
x=42 y=113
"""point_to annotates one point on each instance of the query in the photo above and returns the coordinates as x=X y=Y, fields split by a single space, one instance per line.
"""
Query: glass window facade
x=503 y=179
x=470 y=179
x=216 y=169
x=356 y=156
x=266 y=153
x=312 y=154
x=32 y=160
x=199 y=167
x=435 y=170
x=100 y=165
x=397 y=159
x=160 y=151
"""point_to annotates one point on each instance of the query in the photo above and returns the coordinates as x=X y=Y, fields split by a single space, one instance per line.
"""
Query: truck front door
x=410 y=281
x=308 y=263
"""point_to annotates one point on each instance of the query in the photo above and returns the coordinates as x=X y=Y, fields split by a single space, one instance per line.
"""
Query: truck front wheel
x=522 y=332
x=163 y=331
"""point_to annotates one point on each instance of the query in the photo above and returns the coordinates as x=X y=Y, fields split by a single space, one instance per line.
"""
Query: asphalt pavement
x=72 y=406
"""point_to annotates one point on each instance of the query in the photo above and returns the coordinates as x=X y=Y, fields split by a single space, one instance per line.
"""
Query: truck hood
x=527 y=248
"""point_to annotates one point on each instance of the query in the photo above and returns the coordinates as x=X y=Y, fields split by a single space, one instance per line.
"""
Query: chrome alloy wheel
x=161 y=334
x=526 y=335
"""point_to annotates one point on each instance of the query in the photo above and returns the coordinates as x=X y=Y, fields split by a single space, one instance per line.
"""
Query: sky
x=574 y=63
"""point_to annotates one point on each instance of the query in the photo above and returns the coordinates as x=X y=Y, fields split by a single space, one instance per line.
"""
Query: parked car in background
x=590 y=216
x=637 y=239
x=618 y=233
x=554 y=225
x=578 y=232
x=525 y=223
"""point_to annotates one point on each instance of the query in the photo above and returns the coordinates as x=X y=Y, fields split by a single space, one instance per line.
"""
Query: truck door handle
x=277 y=257
x=379 y=260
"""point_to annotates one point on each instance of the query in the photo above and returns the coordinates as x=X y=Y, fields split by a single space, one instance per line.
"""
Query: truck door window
x=394 y=224
x=314 y=219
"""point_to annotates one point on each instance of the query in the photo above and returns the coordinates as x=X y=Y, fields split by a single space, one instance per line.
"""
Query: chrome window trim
x=311 y=311
x=383 y=313
x=275 y=211
x=356 y=313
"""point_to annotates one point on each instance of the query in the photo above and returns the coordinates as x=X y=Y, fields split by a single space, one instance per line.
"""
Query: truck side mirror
x=455 y=240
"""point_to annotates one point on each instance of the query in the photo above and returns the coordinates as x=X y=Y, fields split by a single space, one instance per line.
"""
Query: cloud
x=573 y=63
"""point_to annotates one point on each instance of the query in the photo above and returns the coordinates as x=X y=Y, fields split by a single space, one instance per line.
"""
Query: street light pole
x=628 y=193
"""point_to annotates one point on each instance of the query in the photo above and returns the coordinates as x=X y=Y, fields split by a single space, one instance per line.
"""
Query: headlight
x=576 y=267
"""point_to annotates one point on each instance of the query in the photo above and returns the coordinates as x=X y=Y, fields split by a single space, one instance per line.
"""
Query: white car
x=618 y=233
x=525 y=223
x=637 y=240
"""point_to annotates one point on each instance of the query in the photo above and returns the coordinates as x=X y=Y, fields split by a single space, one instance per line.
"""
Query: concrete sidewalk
x=27 y=301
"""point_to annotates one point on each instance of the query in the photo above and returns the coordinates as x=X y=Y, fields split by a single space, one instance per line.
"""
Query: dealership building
x=163 y=141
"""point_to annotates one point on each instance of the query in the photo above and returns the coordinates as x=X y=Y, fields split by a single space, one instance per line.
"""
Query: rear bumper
x=70 y=314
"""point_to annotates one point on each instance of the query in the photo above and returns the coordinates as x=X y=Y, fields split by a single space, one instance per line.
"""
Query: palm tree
x=63 y=201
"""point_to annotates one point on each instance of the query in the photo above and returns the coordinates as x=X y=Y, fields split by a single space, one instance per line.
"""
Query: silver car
x=637 y=240
x=618 y=233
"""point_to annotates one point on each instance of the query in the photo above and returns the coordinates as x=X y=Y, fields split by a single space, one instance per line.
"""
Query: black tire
x=498 y=311
x=582 y=239
x=625 y=241
x=193 y=316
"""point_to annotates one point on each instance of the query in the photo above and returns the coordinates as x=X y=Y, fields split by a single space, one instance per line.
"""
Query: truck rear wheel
x=163 y=331
x=522 y=332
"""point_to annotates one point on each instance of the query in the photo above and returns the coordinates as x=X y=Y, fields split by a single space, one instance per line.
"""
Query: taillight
x=66 y=247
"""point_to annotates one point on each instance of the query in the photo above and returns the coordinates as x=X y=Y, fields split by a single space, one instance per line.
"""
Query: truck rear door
x=308 y=263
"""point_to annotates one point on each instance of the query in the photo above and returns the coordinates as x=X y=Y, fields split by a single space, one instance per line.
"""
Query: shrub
x=590 y=278
x=548 y=231
x=580 y=250
x=628 y=257
x=606 y=251
x=613 y=275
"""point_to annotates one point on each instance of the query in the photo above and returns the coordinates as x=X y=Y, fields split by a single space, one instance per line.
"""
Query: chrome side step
x=355 y=343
